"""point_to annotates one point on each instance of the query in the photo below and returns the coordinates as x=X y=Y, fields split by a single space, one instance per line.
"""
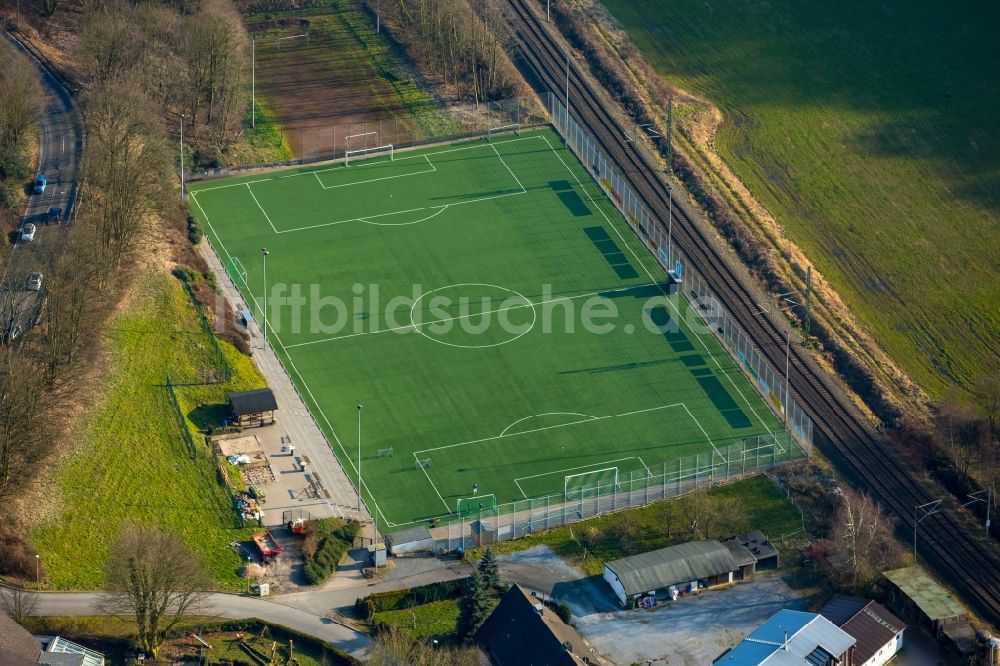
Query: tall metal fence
x=653 y=232
x=638 y=488
x=452 y=123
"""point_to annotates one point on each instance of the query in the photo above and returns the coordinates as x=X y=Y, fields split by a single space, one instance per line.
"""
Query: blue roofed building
x=793 y=638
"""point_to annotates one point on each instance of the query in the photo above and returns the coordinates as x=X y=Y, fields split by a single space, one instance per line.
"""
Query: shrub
x=194 y=230
x=416 y=596
x=333 y=538
x=17 y=557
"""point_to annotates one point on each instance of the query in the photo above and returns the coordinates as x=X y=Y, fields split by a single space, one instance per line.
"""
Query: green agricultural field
x=132 y=464
x=870 y=130
x=497 y=319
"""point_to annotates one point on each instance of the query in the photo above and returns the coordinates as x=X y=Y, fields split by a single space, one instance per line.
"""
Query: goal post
x=597 y=480
x=361 y=153
x=369 y=138
x=473 y=506
x=513 y=128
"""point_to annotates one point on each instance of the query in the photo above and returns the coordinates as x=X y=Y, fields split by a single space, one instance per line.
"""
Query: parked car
x=35 y=282
x=27 y=231
x=11 y=332
x=40 y=183
x=55 y=214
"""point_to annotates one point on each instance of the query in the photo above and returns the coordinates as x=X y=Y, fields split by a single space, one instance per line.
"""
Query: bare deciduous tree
x=154 y=579
x=18 y=603
x=862 y=533
x=124 y=165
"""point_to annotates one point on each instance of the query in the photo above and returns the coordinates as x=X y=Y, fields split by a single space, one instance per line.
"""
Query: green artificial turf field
x=491 y=311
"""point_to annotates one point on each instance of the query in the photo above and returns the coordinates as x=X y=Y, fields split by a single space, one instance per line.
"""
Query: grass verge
x=436 y=619
x=131 y=463
x=264 y=142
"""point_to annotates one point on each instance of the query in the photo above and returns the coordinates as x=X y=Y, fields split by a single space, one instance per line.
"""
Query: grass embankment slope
x=870 y=131
x=132 y=464
x=345 y=73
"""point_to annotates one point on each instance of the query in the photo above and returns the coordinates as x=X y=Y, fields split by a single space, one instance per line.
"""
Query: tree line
x=143 y=65
x=464 y=42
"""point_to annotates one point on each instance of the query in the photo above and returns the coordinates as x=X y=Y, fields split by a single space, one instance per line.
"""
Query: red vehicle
x=267 y=545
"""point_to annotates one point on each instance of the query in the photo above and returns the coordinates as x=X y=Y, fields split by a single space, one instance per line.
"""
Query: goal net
x=362 y=153
x=477 y=505
x=491 y=132
x=596 y=481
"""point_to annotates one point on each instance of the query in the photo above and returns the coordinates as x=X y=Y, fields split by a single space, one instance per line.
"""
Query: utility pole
x=548 y=14
x=670 y=133
x=263 y=324
x=359 y=461
x=670 y=228
x=182 y=157
x=378 y=17
x=253 y=81
x=928 y=509
x=567 y=89
x=809 y=290
x=788 y=380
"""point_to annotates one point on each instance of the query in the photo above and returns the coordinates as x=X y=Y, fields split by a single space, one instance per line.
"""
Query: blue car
x=40 y=183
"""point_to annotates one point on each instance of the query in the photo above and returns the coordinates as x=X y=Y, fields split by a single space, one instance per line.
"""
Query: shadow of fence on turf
x=638 y=488
x=474 y=121
x=683 y=274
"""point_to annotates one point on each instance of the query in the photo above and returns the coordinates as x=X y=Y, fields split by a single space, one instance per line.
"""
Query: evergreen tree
x=490 y=571
x=474 y=606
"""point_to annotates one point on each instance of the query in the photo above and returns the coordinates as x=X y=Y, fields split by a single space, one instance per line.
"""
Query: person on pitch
x=475 y=489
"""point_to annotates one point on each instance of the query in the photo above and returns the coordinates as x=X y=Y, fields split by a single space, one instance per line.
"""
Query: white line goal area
x=363 y=153
x=541 y=454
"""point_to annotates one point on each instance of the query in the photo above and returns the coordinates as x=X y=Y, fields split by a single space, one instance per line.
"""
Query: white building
x=879 y=633
x=793 y=638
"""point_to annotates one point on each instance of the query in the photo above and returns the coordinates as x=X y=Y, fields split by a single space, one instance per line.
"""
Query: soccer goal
x=361 y=140
x=361 y=153
x=479 y=504
x=595 y=481
x=514 y=128
x=423 y=464
x=386 y=453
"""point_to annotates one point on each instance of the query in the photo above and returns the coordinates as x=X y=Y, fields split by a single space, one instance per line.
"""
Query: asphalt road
x=60 y=150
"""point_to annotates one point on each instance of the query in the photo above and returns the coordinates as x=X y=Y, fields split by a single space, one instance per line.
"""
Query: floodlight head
x=264 y=251
x=359 y=407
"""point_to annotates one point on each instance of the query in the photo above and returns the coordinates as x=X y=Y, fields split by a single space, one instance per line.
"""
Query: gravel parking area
x=691 y=630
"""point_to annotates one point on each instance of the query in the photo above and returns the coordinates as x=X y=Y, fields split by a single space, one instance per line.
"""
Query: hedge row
x=397 y=599
x=333 y=544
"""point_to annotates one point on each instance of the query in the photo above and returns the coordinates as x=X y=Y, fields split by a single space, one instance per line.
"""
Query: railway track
x=956 y=555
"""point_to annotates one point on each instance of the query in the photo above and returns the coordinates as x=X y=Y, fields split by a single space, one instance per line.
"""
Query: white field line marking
x=362 y=164
x=436 y=491
x=500 y=157
x=614 y=227
x=441 y=209
x=698 y=423
x=274 y=336
x=551 y=427
x=504 y=431
x=261 y=208
x=404 y=327
x=367 y=219
x=561 y=471
x=372 y=180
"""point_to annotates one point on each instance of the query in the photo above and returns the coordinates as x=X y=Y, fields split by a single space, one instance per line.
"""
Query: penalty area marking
x=586 y=417
x=375 y=180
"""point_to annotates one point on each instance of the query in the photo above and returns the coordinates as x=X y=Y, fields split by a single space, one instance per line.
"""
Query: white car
x=35 y=282
x=28 y=231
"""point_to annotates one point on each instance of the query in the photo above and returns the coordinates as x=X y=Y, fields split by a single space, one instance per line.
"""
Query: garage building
x=413 y=540
x=707 y=562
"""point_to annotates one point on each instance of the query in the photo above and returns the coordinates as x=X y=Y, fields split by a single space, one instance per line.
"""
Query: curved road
x=60 y=150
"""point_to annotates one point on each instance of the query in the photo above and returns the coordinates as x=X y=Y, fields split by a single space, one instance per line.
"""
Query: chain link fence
x=634 y=489
x=466 y=121
x=654 y=232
